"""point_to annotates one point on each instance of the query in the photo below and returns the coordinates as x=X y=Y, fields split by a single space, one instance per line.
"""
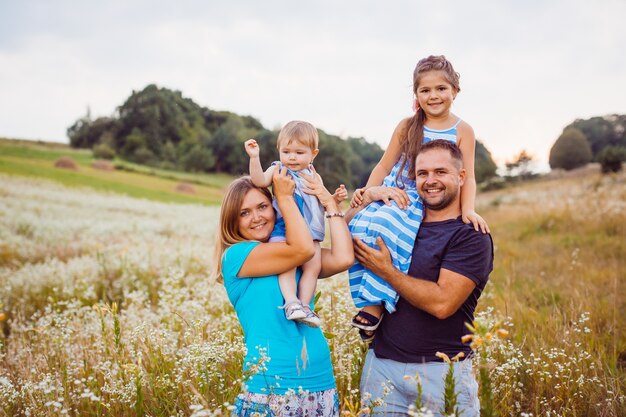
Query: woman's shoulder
x=234 y=258
x=239 y=250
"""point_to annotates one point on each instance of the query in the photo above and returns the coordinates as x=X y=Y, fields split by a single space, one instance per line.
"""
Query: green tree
x=85 y=133
x=198 y=159
x=520 y=165
x=484 y=167
x=363 y=158
x=571 y=150
x=602 y=131
x=611 y=158
x=333 y=161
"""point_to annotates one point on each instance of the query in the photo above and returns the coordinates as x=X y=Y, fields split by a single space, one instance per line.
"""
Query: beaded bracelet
x=329 y=215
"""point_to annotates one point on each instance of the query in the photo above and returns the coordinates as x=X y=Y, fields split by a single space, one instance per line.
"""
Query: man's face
x=438 y=178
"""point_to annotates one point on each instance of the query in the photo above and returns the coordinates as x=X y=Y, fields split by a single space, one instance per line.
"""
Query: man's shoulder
x=455 y=233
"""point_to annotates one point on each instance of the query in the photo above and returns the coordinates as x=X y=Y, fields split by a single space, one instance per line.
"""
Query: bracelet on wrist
x=329 y=215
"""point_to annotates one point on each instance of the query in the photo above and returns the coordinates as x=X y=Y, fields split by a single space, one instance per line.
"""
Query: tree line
x=600 y=139
x=161 y=128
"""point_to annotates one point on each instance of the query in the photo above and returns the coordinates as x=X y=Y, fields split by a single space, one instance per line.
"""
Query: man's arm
x=440 y=299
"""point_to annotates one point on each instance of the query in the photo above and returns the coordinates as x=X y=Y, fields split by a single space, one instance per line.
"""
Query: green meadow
x=120 y=316
x=36 y=159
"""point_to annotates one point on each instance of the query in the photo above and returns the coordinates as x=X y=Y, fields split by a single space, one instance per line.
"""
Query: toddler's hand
x=340 y=194
x=357 y=197
x=479 y=223
x=252 y=148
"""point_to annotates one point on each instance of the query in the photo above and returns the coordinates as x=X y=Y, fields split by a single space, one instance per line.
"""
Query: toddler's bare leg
x=287 y=283
x=310 y=273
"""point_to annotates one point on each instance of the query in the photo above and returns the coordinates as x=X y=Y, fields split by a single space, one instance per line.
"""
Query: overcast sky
x=528 y=68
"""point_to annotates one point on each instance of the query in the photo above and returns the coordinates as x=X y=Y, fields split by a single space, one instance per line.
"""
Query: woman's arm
x=340 y=256
x=278 y=257
x=467 y=144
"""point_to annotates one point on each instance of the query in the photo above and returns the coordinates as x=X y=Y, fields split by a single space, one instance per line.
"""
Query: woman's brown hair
x=228 y=232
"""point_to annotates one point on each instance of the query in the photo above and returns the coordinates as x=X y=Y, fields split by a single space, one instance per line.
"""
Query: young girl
x=398 y=216
x=297 y=146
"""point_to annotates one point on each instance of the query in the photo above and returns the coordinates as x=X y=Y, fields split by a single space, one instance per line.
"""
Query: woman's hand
x=314 y=186
x=386 y=194
x=282 y=184
x=470 y=216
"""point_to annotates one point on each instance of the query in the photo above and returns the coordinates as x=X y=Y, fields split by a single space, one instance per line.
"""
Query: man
x=450 y=266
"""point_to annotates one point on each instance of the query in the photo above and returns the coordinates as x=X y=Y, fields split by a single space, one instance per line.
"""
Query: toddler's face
x=296 y=156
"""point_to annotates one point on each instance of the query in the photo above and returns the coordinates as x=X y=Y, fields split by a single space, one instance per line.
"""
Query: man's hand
x=252 y=148
x=377 y=261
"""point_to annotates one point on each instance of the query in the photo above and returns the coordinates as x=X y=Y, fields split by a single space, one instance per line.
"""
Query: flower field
x=107 y=307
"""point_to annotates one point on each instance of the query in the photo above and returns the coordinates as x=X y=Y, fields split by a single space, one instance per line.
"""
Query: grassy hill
x=36 y=159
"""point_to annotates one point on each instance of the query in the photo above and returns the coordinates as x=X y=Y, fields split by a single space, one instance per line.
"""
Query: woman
x=287 y=369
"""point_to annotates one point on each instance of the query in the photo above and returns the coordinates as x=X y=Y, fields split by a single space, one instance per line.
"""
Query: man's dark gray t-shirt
x=411 y=335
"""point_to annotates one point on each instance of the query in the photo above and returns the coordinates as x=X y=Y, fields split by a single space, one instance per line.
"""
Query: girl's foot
x=294 y=311
x=366 y=321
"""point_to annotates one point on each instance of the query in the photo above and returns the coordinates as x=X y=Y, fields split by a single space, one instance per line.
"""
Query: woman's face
x=256 y=216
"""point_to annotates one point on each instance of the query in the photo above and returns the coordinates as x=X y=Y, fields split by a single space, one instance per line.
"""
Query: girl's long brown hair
x=414 y=131
x=228 y=232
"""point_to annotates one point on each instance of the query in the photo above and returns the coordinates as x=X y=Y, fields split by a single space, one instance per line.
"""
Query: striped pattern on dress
x=398 y=229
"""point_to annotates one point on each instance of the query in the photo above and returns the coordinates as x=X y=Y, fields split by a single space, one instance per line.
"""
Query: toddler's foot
x=311 y=319
x=294 y=311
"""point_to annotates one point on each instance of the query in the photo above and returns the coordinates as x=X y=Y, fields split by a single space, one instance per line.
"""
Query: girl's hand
x=341 y=194
x=252 y=148
x=470 y=216
x=386 y=194
x=282 y=184
x=357 y=198
x=314 y=186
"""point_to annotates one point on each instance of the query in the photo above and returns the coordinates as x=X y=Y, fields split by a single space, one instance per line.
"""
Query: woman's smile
x=256 y=216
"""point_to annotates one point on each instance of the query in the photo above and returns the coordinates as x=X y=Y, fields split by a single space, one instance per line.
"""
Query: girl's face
x=435 y=94
x=256 y=217
x=296 y=156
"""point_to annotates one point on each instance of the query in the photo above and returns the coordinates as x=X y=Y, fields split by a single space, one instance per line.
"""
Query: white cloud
x=527 y=69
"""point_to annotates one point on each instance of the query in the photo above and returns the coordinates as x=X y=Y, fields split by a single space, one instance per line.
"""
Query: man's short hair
x=444 y=145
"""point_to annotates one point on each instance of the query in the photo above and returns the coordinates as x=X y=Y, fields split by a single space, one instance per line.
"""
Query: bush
x=611 y=158
x=198 y=159
x=571 y=150
x=103 y=151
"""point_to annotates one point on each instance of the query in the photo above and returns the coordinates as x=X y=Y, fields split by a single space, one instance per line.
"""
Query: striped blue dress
x=397 y=227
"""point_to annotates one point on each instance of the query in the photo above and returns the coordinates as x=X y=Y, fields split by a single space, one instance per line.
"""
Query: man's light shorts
x=395 y=383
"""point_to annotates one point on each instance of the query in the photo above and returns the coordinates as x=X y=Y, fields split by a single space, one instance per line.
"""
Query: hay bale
x=65 y=162
x=185 y=188
x=103 y=165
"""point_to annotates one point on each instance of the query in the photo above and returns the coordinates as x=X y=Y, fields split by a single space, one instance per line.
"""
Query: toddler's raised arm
x=258 y=177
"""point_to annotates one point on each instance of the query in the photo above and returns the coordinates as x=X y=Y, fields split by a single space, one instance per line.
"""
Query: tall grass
x=106 y=307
